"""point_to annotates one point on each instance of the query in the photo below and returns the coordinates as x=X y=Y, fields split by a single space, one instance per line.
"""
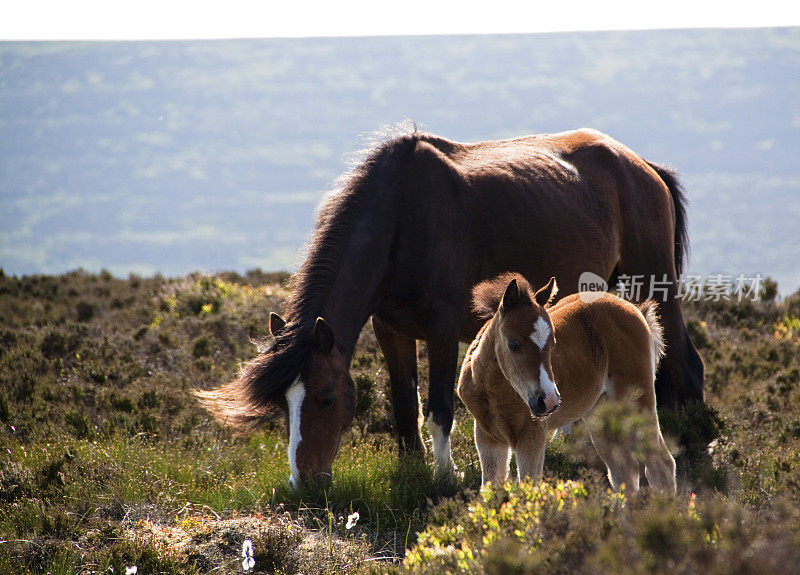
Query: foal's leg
x=401 y=359
x=622 y=466
x=637 y=387
x=529 y=451
x=659 y=466
x=494 y=457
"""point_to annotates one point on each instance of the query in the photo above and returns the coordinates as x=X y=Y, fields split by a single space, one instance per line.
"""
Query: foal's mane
x=263 y=381
x=487 y=295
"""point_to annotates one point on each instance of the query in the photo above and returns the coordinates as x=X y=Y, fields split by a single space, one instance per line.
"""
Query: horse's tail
x=679 y=201
x=649 y=311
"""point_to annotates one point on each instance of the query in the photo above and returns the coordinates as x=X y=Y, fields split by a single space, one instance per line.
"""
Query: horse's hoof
x=448 y=475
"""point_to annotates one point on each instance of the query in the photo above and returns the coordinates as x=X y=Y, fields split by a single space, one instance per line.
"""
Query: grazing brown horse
x=593 y=345
x=419 y=223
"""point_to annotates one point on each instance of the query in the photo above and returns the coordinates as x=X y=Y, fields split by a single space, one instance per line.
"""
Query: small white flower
x=131 y=570
x=247 y=554
x=352 y=520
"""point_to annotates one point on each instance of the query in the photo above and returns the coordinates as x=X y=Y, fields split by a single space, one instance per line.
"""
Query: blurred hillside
x=178 y=156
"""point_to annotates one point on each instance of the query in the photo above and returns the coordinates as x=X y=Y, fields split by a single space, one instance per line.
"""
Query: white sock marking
x=441 y=446
x=294 y=397
x=541 y=332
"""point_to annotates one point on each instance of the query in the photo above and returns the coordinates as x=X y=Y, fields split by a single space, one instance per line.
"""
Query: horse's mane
x=486 y=296
x=263 y=381
x=336 y=218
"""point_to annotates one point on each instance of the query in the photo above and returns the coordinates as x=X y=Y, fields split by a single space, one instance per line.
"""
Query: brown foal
x=606 y=345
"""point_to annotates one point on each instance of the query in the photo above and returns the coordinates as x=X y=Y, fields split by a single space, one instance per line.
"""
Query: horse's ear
x=276 y=324
x=544 y=297
x=324 y=339
x=511 y=297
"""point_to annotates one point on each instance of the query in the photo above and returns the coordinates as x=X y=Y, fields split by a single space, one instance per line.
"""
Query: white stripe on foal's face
x=548 y=387
x=541 y=332
x=294 y=399
x=529 y=391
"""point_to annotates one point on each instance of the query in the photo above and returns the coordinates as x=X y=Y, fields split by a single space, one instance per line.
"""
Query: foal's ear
x=511 y=297
x=276 y=324
x=323 y=336
x=544 y=297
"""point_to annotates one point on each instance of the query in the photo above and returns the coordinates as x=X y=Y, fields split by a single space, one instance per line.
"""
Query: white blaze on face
x=541 y=332
x=441 y=446
x=294 y=399
x=548 y=387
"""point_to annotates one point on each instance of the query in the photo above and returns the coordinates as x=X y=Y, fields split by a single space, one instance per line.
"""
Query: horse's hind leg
x=401 y=359
x=680 y=375
x=647 y=263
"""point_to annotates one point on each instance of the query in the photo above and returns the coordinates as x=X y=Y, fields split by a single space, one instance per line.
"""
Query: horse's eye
x=328 y=400
x=513 y=346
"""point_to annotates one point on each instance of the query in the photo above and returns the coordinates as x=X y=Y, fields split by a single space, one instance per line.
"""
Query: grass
x=108 y=462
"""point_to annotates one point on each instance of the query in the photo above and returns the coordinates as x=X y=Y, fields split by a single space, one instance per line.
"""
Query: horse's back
x=541 y=205
x=527 y=207
x=571 y=154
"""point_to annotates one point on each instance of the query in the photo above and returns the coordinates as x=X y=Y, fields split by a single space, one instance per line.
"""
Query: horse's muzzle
x=310 y=480
x=320 y=480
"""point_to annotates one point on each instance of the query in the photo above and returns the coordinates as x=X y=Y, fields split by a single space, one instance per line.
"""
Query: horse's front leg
x=401 y=359
x=443 y=360
x=529 y=451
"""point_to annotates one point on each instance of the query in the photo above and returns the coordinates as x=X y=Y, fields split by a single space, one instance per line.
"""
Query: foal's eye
x=513 y=345
x=328 y=400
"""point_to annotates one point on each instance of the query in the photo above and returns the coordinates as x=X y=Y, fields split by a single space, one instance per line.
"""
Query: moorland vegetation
x=108 y=462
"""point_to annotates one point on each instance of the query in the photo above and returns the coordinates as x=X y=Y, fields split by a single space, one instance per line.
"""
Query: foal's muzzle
x=539 y=404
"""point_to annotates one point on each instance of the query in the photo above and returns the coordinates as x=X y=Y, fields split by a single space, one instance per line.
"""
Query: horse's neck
x=350 y=303
x=353 y=291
